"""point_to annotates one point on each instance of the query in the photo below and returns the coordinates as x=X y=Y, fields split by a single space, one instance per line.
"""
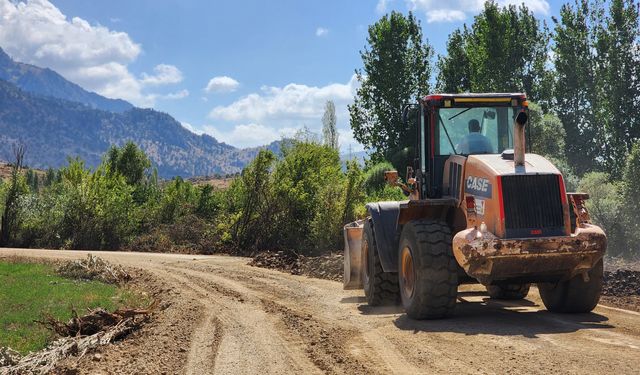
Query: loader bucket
x=352 y=259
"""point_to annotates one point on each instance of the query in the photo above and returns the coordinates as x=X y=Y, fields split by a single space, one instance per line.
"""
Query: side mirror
x=405 y=112
x=522 y=118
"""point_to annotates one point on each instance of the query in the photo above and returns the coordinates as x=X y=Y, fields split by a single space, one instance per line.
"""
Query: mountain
x=46 y=82
x=53 y=129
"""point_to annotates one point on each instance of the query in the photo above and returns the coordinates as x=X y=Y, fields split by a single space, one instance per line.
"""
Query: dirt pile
x=621 y=283
x=94 y=268
x=329 y=267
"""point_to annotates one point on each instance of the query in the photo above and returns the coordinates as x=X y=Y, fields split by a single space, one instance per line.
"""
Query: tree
x=631 y=197
x=455 y=71
x=396 y=70
x=575 y=85
x=546 y=132
x=129 y=161
x=17 y=187
x=329 y=130
x=619 y=86
x=606 y=208
x=504 y=50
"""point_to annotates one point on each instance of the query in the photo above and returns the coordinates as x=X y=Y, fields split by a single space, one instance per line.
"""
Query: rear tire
x=380 y=288
x=574 y=295
x=508 y=291
x=428 y=272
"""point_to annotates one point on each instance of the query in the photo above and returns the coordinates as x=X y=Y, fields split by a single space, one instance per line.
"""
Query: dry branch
x=94 y=268
x=81 y=334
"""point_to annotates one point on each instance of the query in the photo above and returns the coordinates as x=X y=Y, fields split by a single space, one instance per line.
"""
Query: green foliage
x=329 y=129
x=631 y=198
x=374 y=177
x=250 y=200
x=303 y=180
x=397 y=70
x=179 y=198
x=504 y=50
x=575 y=93
x=618 y=85
x=128 y=161
x=597 y=62
x=31 y=290
x=354 y=194
x=546 y=133
x=606 y=209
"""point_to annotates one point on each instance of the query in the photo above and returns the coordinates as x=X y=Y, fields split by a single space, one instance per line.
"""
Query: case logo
x=478 y=186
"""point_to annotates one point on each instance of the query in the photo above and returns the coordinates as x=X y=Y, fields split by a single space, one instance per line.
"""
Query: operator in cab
x=474 y=142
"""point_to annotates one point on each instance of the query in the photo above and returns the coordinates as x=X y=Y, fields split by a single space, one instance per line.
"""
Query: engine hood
x=495 y=165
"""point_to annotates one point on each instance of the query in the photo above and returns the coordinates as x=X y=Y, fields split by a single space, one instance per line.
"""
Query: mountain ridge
x=46 y=82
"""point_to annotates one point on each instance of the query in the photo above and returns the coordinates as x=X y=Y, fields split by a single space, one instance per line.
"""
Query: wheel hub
x=407 y=273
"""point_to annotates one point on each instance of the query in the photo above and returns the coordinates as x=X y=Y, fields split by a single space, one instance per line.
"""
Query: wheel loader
x=479 y=210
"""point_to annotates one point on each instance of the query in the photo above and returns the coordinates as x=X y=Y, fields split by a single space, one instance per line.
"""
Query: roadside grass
x=29 y=291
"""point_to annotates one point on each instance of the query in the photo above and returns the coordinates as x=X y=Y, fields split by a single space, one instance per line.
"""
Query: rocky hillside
x=46 y=82
x=54 y=129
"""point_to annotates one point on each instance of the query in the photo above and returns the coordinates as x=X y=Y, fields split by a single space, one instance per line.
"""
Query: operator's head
x=474 y=126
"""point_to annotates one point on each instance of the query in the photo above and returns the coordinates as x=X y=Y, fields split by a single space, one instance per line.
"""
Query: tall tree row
x=591 y=80
x=504 y=50
x=575 y=92
x=618 y=106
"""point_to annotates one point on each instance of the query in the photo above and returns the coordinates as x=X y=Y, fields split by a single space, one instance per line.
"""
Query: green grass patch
x=28 y=291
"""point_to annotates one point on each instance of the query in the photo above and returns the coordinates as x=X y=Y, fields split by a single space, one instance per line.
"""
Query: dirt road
x=229 y=318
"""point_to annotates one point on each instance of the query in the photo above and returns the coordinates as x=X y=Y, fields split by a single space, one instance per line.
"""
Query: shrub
x=606 y=209
x=374 y=177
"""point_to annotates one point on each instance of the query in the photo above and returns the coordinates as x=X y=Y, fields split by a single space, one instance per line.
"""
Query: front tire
x=380 y=288
x=508 y=291
x=428 y=271
x=574 y=295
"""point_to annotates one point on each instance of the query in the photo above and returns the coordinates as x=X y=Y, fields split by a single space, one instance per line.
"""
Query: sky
x=247 y=72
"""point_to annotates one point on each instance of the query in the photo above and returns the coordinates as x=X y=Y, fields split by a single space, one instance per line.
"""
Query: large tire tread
x=574 y=295
x=384 y=288
x=436 y=269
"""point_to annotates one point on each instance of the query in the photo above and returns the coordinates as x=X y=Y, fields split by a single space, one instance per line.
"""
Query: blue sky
x=246 y=72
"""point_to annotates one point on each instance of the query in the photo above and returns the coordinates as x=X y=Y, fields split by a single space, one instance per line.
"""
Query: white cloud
x=191 y=128
x=222 y=84
x=293 y=101
x=382 y=6
x=321 y=31
x=249 y=135
x=459 y=10
x=176 y=95
x=445 y=15
x=92 y=56
x=163 y=74
x=273 y=112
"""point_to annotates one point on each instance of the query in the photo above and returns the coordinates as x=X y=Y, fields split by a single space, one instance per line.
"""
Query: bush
x=631 y=198
x=374 y=177
x=606 y=209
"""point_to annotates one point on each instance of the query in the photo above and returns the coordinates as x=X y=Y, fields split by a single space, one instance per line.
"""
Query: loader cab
x=461 y=124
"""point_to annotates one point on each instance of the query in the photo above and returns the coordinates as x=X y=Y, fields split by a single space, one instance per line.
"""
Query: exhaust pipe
x=518 y=138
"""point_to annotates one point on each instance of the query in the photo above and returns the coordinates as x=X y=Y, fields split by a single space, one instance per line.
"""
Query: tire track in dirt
x=263 y=321
x=250 y=343
x=365 y=348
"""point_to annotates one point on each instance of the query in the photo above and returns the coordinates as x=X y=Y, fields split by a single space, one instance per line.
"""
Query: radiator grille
x=532 y=206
